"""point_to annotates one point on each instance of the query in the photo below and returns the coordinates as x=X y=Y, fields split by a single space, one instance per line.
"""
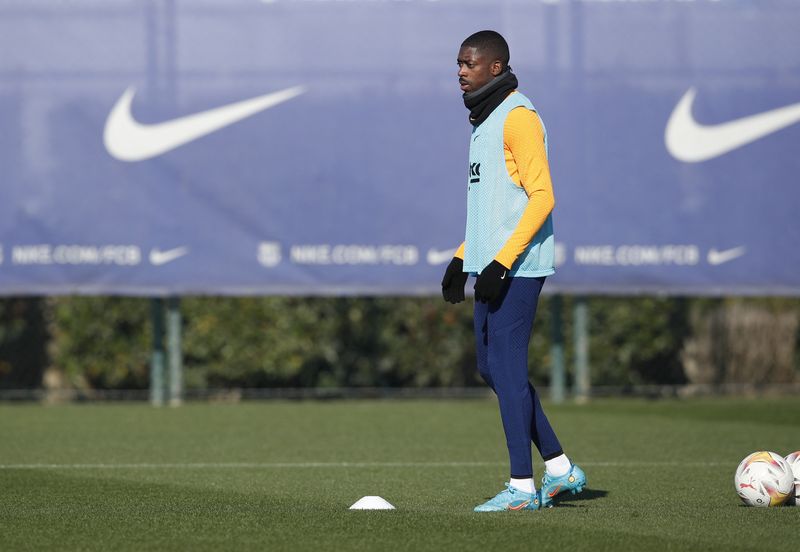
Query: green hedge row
x=105 y=342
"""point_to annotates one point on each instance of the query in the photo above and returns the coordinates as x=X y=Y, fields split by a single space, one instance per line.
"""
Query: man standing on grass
x=509 y=246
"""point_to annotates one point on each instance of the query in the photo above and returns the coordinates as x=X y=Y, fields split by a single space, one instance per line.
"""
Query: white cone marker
x=371 y=503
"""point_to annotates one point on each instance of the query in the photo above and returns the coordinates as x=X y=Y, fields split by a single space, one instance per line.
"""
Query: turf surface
x=281 y=475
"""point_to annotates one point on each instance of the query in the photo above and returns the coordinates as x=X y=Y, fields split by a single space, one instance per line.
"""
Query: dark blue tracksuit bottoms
x=502 y=333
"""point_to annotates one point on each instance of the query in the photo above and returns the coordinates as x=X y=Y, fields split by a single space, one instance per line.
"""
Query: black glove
x=490 y=282
x=453 y=281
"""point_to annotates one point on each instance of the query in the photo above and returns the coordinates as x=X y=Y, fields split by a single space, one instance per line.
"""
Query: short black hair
x=490 y=43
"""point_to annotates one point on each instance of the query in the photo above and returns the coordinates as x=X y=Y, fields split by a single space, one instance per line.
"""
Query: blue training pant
x=502 y=334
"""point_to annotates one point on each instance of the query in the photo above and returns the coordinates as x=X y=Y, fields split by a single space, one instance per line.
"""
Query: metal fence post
x=582 y=384
x=157 y=356
x=174 y=351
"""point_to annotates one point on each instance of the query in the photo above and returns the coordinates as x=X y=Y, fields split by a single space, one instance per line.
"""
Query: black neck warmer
x=484 y=100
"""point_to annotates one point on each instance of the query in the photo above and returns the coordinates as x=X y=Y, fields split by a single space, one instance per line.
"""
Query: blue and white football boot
x=573 y=481
x=511 y=499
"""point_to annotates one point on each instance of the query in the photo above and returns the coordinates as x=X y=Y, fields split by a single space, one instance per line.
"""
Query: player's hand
x=490 y=282
x=453 y=282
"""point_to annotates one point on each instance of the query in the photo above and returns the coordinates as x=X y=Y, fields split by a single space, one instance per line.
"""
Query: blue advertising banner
x=320 y=147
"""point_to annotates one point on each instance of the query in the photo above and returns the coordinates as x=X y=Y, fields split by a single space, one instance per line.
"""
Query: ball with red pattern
x=764 y=479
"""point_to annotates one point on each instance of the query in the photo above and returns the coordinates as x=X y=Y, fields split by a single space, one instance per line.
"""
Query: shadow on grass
x=570 y=500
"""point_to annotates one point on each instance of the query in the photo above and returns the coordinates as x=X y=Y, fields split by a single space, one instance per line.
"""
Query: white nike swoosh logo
x=436 y=257
x=718 y=257
x=128 y=140
x=689 y=141
x=158 y=257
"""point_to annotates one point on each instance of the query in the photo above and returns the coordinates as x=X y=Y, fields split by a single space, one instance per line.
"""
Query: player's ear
x=496 y=67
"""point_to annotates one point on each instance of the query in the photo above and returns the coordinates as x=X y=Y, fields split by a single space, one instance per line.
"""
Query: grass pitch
x=281 y=476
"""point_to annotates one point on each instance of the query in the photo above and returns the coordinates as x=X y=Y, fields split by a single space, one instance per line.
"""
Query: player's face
x=475 y=69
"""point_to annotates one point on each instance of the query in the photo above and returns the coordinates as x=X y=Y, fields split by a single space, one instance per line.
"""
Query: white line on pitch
x=285 y=465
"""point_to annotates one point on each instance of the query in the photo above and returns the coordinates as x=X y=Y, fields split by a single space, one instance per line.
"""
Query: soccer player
x=509 y=246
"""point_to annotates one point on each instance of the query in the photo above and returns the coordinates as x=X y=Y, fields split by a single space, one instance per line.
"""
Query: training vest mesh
x=495 y=203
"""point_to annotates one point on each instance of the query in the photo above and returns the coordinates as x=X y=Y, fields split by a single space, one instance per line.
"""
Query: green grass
x=281 y=475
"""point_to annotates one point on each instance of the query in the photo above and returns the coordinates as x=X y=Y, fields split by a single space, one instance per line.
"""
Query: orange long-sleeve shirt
x=526 y=162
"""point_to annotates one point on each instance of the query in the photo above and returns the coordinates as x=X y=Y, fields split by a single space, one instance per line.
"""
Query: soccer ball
x=764 y=479
x=794 y=462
